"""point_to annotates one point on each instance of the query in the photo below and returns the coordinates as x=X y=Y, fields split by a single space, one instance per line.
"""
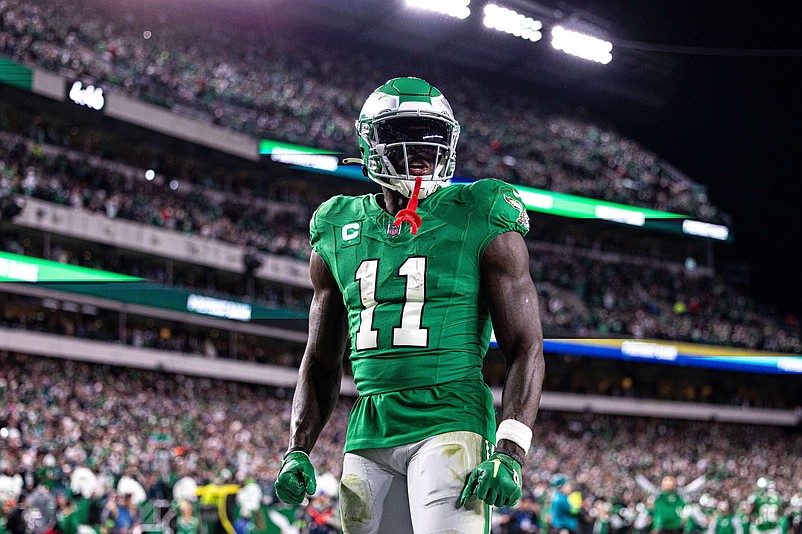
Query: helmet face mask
x=406 y=130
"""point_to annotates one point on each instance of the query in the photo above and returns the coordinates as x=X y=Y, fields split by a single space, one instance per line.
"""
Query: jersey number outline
x=411 y=332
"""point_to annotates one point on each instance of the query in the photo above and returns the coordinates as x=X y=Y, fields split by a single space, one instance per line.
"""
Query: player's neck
x=393 y=201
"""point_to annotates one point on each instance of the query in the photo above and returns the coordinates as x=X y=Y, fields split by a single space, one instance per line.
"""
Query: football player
x=413 y=276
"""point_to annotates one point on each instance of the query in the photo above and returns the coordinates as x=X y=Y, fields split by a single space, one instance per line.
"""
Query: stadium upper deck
x=301 y=94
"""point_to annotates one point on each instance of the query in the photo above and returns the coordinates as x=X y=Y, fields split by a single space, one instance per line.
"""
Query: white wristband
x=515 y=431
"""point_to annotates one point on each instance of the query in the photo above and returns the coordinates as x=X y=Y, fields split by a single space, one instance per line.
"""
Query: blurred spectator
x=523 y=518
x=15 y=522
x=564 y=510
x=187 y=523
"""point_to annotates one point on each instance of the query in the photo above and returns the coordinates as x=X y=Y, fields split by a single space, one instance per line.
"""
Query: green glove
x=296 y=478
x=497 y=481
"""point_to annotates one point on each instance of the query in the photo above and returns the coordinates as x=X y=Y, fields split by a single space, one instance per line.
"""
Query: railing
x=169 y=362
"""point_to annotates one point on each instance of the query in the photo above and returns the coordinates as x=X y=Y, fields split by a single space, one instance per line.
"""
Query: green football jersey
x=190 y=525
x=419 y=329
x=766 y=514
x=83 y=508
x=726 y=524
x=668 y=509
x=743 y=519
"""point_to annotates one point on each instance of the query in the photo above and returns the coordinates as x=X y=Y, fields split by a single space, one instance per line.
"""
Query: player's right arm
x=318 y=383
x=321 y=368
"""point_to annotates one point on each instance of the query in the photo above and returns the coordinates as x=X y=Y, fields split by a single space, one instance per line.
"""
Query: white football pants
x=414 y=488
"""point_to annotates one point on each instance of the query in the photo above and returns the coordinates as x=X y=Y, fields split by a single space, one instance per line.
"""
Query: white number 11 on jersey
x=410 y=333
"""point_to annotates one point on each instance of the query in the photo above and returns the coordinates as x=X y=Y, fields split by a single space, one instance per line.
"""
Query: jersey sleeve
x=320 y=232
x=506 y=211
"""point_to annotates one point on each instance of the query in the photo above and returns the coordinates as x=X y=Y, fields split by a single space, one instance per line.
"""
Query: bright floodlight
x=512 y=22
x=452 y=8
x=581 y=45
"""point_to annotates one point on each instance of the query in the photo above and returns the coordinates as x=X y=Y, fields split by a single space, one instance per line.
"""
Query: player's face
x=420 y=159
x=668 y=483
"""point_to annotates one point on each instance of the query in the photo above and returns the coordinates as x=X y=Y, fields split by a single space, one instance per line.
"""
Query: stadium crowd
x=154 y=427
x=80 y=180
x=585 y=294
x=271 y=88
x=649 y=299
x=566 y=374
x=580 y=297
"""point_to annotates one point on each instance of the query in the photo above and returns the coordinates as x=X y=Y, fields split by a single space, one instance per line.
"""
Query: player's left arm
x=513 y=303
x=511 y=297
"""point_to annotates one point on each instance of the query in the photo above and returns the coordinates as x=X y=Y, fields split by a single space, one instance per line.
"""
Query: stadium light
x=453 y=8
x=703 y=229
x=512 y=22
x=581 y=45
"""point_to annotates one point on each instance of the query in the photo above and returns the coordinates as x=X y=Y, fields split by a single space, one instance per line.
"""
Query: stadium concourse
x=156 y=428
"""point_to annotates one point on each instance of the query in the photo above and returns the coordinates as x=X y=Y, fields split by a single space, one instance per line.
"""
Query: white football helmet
x=407 y=129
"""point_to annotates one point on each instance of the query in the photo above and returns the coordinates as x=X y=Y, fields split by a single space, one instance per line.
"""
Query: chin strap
x=408 y=214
